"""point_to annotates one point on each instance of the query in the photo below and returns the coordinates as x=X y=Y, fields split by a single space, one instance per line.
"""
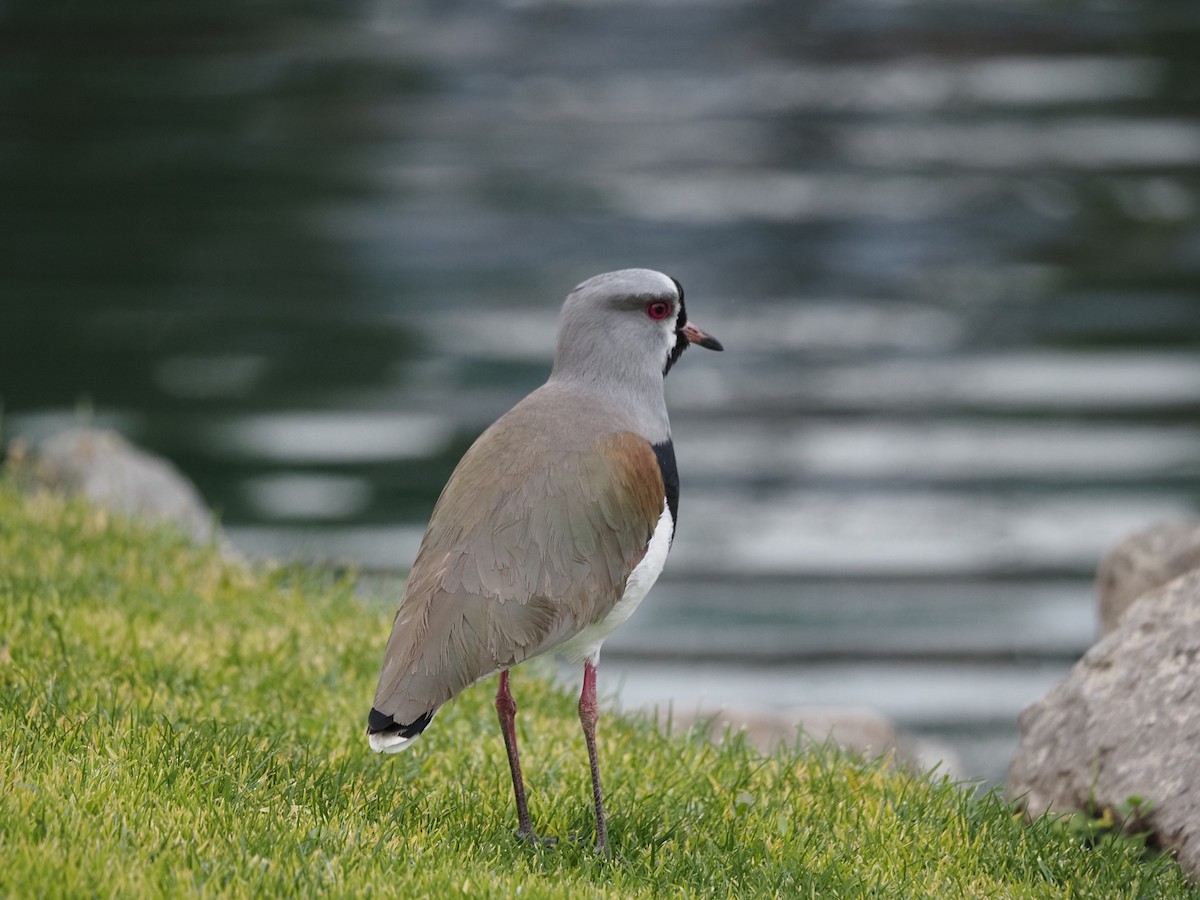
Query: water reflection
x=331 y=437
x=908 y=84
x=310 y=497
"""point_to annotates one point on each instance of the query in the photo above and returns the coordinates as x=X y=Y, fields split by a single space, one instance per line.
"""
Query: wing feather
x=533 y=539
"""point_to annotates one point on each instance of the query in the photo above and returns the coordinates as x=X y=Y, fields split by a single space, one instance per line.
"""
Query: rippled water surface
x=953 y=250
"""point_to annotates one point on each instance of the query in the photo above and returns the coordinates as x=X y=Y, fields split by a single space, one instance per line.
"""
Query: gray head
x=623 y=331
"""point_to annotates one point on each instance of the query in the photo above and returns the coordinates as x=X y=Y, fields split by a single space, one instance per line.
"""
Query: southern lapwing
x=553 y=526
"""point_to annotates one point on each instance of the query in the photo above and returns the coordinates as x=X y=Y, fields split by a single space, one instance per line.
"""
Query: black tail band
x=382 y=723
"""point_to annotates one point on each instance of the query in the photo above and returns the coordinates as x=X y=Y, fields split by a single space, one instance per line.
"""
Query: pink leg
x=589 y=714
x=506 y=708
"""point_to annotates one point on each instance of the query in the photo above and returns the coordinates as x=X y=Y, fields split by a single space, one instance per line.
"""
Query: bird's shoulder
x=551 y=462
x=547 y=442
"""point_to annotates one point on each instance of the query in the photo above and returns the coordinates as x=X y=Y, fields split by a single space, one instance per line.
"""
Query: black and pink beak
x=698 y=337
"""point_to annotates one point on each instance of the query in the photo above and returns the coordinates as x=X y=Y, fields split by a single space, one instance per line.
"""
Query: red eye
x=658 y=310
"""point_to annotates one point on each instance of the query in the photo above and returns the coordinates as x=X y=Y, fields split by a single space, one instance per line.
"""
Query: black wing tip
x=382 y=723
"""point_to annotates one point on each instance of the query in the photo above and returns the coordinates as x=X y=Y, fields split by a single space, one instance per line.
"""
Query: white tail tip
x=389 y=743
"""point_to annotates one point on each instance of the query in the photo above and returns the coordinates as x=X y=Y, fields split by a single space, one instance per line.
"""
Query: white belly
x=586 y=644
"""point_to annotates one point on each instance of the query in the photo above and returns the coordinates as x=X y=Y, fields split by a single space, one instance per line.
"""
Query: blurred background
x=308 y=250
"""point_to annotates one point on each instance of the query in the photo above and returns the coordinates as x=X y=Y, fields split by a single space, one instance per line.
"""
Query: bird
x=553 y=526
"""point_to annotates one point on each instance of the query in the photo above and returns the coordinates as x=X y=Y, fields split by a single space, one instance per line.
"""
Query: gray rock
x=860 y=731
x=1124 y=724
x=115 y=475
x=1141 y=562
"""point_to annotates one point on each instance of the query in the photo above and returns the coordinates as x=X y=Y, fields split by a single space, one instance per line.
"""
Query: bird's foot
x=601 y=846
x=529 y=836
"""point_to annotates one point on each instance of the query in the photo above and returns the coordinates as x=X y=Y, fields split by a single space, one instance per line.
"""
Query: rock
x=1141 y=562
x=1125 y=724
x=860 y=731
x=113 y=474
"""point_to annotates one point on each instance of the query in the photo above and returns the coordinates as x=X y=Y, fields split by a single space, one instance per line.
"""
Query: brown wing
x=533 y=538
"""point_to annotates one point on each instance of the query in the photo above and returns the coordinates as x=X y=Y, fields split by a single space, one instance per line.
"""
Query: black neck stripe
x=670 y=476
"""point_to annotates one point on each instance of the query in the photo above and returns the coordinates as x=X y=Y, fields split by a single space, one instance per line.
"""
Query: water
x=953 y=250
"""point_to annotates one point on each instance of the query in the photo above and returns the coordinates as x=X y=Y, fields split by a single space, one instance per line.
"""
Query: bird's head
x=626 y=324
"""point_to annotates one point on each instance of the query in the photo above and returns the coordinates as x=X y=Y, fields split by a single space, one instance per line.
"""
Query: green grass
x=171 y=725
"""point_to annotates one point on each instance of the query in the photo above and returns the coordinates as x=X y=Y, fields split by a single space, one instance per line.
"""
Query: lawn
x=174 y=725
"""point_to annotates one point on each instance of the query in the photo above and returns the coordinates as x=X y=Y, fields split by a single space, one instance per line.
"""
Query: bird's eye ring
x=658 y=310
